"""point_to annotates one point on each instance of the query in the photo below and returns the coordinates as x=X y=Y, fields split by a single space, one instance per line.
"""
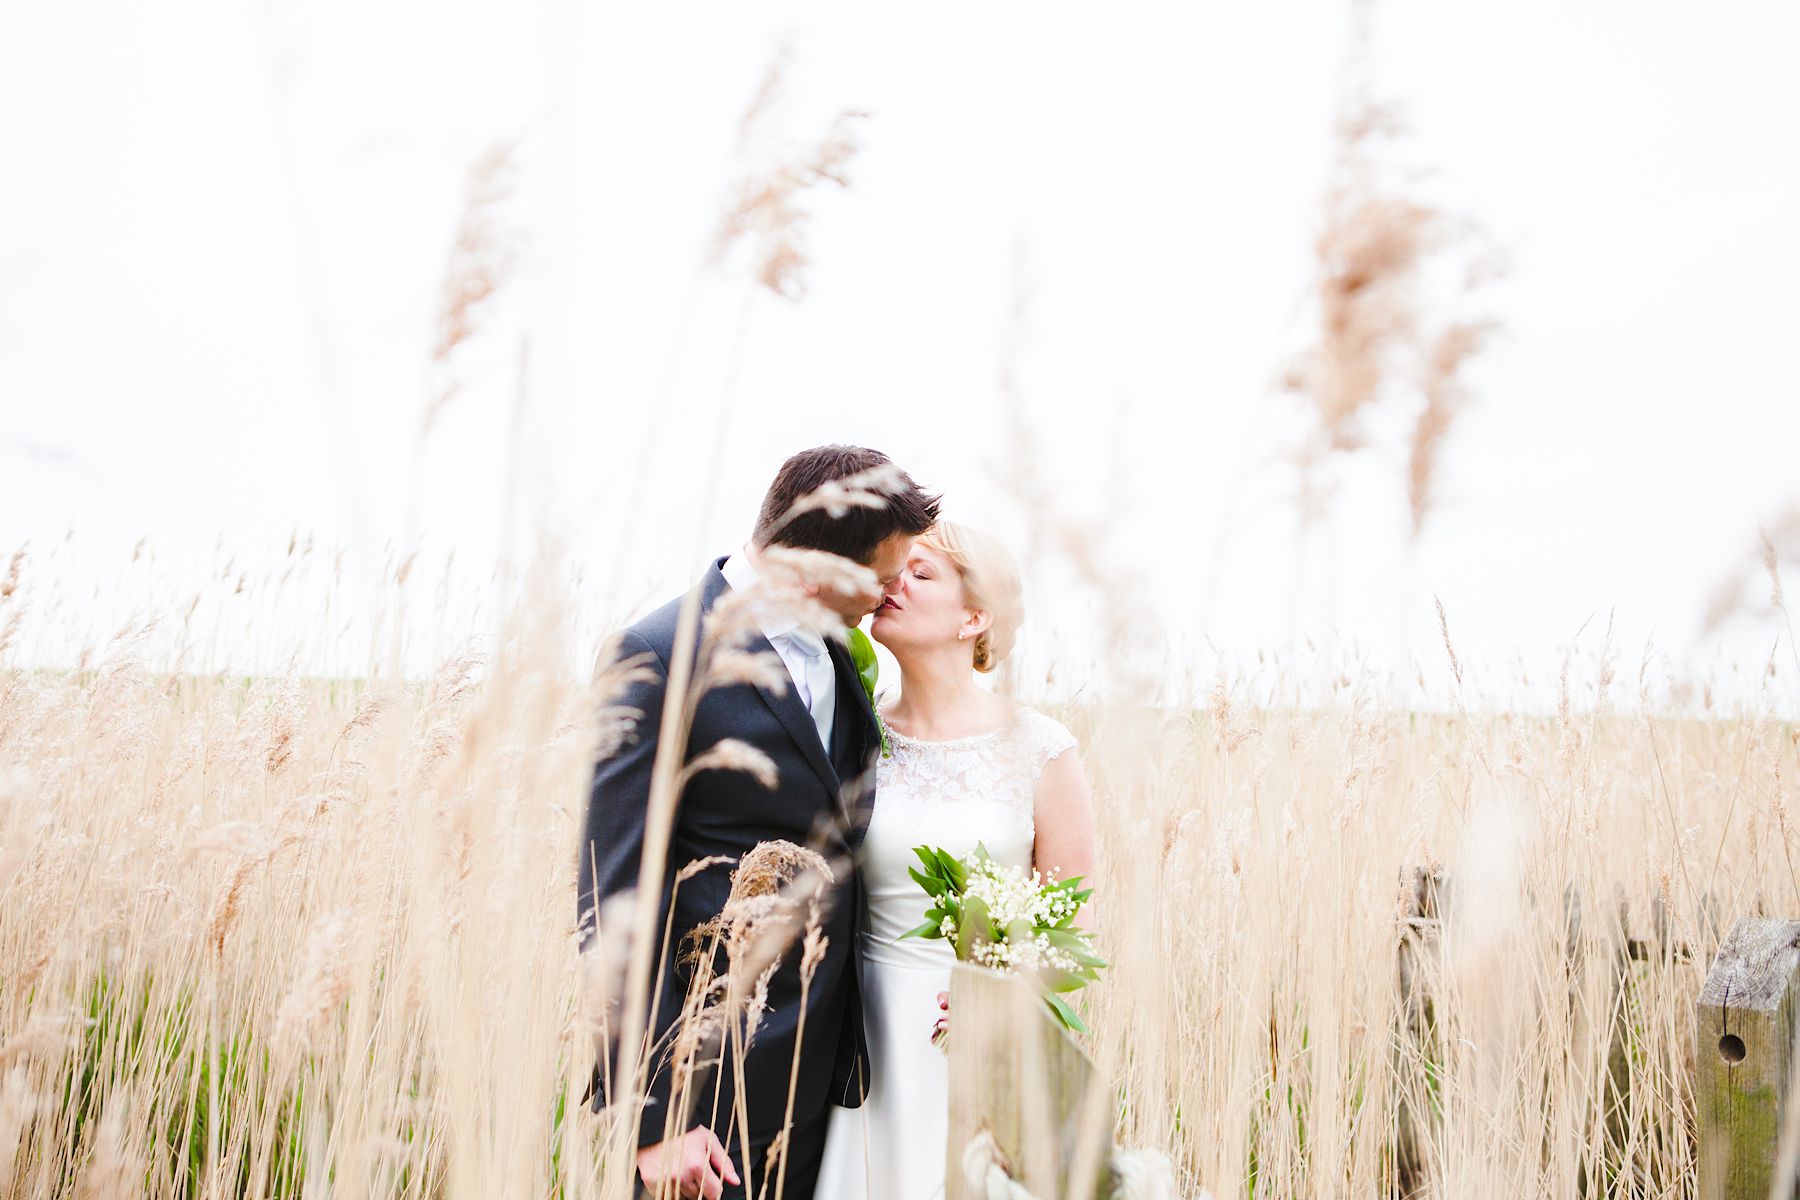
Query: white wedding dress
x=951 y=795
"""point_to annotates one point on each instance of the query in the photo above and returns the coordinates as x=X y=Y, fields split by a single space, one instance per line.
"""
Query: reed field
x=266 y=932
x=275 y=935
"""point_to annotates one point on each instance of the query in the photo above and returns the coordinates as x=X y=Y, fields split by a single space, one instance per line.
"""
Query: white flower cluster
x=1014 y=896
x=1036 y=955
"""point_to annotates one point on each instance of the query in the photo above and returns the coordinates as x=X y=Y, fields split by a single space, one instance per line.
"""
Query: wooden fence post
x=1016 y=1073
x=1421 y=929
x=1743 y=1050
x=1427 y=896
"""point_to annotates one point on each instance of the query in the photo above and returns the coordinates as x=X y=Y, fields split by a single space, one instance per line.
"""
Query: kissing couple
x=828 y=1084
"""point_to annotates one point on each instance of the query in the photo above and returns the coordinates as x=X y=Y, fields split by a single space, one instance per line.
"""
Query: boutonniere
x=862 y=654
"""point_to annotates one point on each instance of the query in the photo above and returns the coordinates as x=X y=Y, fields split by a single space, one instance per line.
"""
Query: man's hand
x=695 y=1162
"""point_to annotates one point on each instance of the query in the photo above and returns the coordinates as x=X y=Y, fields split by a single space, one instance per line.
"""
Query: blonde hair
x=990 y=579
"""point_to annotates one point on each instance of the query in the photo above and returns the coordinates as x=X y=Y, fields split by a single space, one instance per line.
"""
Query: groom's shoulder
x=656 y=629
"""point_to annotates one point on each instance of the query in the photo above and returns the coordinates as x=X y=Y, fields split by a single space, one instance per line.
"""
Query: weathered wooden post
x=1743 y=1051
x=1018 y=1075
x=1421 y=928
x=1428 y=895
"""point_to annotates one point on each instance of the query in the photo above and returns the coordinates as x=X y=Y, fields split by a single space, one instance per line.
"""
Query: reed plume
x=767 y=209
x=1374 y=341
x=480 y=262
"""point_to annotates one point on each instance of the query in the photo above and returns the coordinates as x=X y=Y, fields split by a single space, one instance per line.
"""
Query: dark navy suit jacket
x=728 y=812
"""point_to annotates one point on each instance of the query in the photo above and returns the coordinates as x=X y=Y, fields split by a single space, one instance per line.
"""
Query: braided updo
x=990 y=580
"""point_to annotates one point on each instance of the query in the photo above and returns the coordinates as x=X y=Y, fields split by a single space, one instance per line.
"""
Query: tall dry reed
x=256 y=934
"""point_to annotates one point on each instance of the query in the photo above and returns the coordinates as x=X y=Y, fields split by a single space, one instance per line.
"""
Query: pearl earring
x=961 y=636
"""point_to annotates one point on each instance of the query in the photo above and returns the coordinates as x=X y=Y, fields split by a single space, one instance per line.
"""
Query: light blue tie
x=819 y=678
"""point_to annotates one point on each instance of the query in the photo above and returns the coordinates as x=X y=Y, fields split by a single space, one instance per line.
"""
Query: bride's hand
x=941 y=1028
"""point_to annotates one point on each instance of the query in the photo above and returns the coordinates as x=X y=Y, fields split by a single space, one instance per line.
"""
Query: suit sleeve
x=612 y=848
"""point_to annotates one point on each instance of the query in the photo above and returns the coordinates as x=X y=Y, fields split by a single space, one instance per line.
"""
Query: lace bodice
x=1001 y=766
x=953 y=795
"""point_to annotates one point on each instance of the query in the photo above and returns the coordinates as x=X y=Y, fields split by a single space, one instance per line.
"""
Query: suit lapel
x=852 y=702
x=856 y=731
x=852 y=698
x=796 y=720
x=787 y=707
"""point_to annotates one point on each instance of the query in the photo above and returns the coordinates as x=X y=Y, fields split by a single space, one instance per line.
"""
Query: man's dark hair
x=855 y=534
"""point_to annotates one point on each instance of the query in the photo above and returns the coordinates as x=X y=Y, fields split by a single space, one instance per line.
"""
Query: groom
x=820 y=733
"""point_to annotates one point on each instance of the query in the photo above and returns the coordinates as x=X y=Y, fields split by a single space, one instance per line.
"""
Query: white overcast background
x=225 y=226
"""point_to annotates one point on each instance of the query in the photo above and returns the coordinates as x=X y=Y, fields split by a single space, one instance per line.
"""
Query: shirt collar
x=772 y=619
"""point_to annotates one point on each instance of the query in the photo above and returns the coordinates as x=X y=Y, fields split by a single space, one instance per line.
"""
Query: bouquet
x=1010 y=920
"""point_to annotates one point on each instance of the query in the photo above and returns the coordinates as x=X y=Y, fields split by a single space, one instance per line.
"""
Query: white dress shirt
x=803 y=652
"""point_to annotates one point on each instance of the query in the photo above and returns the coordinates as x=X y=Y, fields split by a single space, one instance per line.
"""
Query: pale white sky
x=226 y=226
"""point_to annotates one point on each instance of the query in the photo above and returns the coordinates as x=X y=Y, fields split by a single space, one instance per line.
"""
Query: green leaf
x=1076 y=944
x=933 y=884
x=1078 y=976
x=1064 y=1013
x=862 y=654
x=954 y=871
x=976 y=925
x=930 y=929
x=868 y=670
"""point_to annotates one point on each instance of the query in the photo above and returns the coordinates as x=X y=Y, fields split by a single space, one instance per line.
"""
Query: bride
x=964 y=766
